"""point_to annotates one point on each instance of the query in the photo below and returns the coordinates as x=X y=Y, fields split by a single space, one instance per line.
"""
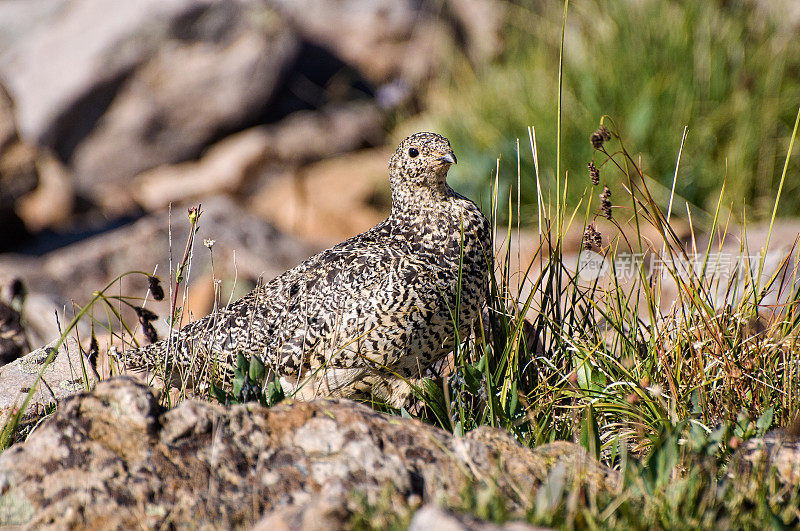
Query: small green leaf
x=696 y=437
x=257 y=370
x=697 y=405
x=242 y=364
x=238 y=383
x=764 y=422
x=583 y=371
x=590 y=433
x=218 y=393
x=175 y=315
x=275 y=392
x=405 y=414
x=473 y=377
x=513 y=399
x=614 y=453
x=434 y=399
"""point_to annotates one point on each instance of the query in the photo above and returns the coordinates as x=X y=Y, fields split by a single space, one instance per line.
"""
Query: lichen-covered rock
x=111 y=458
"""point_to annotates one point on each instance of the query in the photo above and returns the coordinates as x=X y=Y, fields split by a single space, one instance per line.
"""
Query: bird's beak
x=449 y=158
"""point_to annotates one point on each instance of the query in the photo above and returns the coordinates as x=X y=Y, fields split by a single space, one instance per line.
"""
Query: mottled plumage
x=350 y=320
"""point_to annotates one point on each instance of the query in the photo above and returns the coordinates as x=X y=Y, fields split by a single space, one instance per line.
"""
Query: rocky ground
x=114 y=459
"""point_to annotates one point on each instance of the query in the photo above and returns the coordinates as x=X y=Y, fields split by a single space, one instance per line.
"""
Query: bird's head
x=421 y=162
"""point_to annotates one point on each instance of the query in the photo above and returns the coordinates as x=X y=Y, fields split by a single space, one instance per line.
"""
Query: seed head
x=145 y=315
x=150 y=332
x=596 y=140
x=194 y=213
x=155 y=288
x=601 y=135
x=594 y=173
x=605 y=202
x=94 y=352
x=591 y=237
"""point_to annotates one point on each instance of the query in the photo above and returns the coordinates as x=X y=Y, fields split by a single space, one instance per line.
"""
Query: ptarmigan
x=362 y=317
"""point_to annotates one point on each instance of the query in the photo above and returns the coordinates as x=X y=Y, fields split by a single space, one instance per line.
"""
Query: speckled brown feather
x=350 y=320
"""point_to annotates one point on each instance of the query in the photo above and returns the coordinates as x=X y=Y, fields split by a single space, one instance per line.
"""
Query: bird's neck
x=419 y=201
x=419 y=193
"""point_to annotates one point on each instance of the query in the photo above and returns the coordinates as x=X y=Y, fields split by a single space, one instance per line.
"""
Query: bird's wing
x=357 y=301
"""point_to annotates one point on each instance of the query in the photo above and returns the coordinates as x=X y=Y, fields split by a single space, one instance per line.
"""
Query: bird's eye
x=413 y=152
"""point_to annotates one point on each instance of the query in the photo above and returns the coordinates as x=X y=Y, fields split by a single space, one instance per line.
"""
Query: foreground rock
x=69 y=372
x=433 y=517
x=113 y=456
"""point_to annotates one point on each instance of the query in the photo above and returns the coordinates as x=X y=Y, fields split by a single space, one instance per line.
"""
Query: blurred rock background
x=279 y=116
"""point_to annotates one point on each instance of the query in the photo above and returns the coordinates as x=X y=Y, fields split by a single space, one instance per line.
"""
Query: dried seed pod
x=601 y=135
x=597 y=140
x=590 y=235
x=155 y=288
x=605 y=202
x=145 y=315
x=594 y=173
x=94 y=352
x=150 y=332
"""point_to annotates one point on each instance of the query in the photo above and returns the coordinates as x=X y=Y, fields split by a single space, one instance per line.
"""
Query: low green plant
x=250 y=384
x=390 y=511
x=687 y=481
